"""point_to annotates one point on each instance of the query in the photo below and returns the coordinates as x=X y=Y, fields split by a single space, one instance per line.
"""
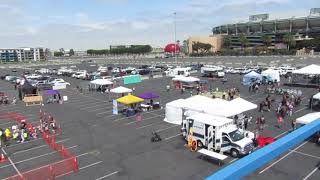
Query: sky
x=97 y=24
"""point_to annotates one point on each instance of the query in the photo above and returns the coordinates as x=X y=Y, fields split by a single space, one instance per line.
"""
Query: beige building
x=215 y=41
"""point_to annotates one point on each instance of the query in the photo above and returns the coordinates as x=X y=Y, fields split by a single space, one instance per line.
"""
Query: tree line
x=133 y=49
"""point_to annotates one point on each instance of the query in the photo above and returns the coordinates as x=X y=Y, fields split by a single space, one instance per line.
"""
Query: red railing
x=66 y=166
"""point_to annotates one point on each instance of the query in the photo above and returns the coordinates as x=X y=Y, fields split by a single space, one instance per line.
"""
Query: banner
x=115 y=107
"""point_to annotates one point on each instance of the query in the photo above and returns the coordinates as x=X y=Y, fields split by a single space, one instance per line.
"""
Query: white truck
x=178 y=71
x=217 y=134
x=212 y=71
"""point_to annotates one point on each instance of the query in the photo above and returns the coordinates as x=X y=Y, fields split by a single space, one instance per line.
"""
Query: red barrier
x=66 y=166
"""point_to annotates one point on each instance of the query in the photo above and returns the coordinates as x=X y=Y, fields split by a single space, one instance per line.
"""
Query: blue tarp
x=251 y=77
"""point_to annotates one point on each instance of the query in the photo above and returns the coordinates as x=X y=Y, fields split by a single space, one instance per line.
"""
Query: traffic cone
x=2 y=158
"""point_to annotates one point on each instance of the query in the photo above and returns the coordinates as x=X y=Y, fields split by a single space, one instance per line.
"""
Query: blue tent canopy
x=251 y=77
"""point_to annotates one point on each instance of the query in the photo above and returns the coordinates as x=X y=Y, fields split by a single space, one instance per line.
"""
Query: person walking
x=245 y=123
x=2 y=136
x=280 y=120
x=258 y=124
x=290 y=107
x=168 y=88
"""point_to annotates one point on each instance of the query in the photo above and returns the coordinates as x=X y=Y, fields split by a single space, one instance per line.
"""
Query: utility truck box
x=217 y=134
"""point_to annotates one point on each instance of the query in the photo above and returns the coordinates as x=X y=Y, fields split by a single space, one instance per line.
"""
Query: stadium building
x=259 y=25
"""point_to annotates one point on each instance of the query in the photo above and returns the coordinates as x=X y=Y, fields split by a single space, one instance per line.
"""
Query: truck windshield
x=236 y=135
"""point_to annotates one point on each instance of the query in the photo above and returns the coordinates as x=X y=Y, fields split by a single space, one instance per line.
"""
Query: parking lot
x=117 y=147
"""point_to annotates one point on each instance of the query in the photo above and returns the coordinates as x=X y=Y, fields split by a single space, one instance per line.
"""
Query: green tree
x=58 y=53
x=267 y=40
x=203 y=48
x=71 y=53
x=243 y=40
x=226 y=42
x=289 y=40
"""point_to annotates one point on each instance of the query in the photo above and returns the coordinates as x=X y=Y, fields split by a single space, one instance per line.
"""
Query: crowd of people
x=21 y=133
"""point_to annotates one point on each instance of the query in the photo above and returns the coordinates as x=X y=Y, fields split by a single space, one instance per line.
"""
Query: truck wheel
x=200 y=145
x=234 y=153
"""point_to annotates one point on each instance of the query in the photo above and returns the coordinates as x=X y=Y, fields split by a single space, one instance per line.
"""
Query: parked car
x=4 y=76
x=59 y=81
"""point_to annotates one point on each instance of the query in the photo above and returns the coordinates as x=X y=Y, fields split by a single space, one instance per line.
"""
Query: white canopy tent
x=174 y=111
x=308 y=70
x=101 y=82
x=271 y=74
x=242 y=105
x=316 y=96
x=121 y=90
x=308 y=118
x=185 y=79
x=202 y=104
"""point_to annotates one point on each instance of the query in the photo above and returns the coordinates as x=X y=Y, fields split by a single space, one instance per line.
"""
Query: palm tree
x=243 y=40
x=289 y=40
x=267 y=40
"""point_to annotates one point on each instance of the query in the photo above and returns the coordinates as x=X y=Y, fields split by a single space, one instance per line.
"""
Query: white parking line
x=35 y=157
x=300 y=109
x=83 y=106
x=280 y=134
x=141 y=127
x=108 y=175
x=38 y=147
x=160 y=130
x=310 y=174
x=233 y=160
x=173 y=136
x=305 y=154
x=100 y=109
x=90 y=107
x=104 y=113
x=11 y=163
x=143 y=119
x=268 y=167
x=61 y=175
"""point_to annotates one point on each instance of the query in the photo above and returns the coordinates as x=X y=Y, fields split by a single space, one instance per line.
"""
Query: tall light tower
x=175 y=38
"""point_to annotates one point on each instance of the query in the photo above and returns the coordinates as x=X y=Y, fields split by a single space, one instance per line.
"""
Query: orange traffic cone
x=2 y=158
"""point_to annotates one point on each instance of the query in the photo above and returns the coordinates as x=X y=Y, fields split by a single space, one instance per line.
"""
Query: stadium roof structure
x=302 y=25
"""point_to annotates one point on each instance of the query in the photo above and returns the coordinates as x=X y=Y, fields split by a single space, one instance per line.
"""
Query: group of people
x=47 y=124
x=19 y=133
x=22 y=132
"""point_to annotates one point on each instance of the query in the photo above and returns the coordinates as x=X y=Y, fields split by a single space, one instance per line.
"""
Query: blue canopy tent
x=251 y=77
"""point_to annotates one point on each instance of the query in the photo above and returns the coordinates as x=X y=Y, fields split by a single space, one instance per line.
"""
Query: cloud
x=57 y=17
x=82 y=15
x=84 y=28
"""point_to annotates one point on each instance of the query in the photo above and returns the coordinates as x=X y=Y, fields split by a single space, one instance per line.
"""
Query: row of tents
x=269 y=74
x=273 y=75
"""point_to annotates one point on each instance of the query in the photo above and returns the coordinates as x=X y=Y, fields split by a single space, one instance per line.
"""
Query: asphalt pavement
x=117 y=147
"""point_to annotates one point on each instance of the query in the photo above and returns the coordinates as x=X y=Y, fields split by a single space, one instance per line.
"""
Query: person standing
x=289 y=79
x=2 y=138
x=168 y=88
x=294 y=124
x=280 y=120
x=245 y=123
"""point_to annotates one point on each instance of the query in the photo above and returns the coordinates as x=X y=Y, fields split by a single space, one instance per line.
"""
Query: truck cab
x=217 y=134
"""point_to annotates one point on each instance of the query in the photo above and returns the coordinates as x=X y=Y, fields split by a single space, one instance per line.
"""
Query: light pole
x=175 y=38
